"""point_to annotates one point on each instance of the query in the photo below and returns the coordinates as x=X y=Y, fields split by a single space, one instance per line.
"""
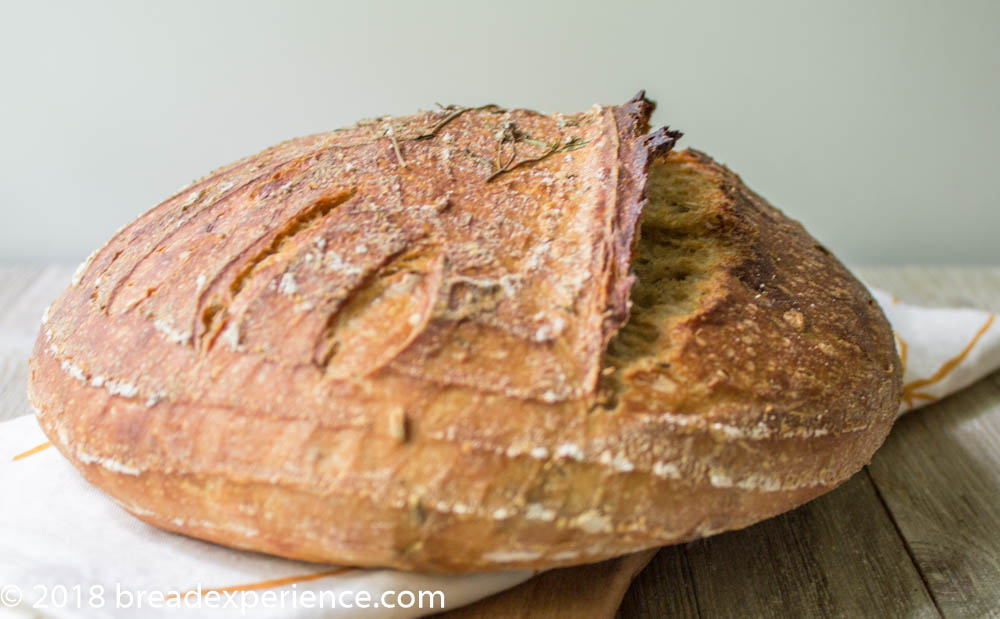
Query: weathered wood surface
x=916 y=534
x=939 y=471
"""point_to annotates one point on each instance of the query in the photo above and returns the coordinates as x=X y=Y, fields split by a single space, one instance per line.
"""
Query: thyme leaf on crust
x=390 y=133
x=554 y=148
x=457 y=111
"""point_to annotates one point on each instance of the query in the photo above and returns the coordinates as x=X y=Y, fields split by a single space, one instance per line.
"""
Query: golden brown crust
x=386 y=346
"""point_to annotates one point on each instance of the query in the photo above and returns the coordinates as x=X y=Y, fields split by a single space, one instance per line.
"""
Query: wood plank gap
x=906 y=544
x=694 y=581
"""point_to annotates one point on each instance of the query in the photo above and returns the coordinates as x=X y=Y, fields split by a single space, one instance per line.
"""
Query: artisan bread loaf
x=467 y=339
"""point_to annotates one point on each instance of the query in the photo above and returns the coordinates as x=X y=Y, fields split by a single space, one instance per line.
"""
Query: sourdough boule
x=467 y=339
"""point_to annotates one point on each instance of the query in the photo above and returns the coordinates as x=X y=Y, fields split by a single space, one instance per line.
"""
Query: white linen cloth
x=68 y=546
x=942 y=349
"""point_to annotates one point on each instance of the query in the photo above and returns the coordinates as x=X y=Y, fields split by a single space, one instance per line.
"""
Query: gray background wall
x=875 y=123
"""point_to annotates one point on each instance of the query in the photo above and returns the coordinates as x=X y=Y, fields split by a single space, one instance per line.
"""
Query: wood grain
x=664 y=589
x=940 y=478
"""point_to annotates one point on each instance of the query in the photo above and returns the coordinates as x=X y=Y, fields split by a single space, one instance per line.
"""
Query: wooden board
x=586 y=592
x=940 y=479
x=939 y=472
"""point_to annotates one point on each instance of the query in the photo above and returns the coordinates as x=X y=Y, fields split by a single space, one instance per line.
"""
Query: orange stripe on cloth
x=270 y=584
x=904 y=350
x=32 y=451
x=910 y=389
